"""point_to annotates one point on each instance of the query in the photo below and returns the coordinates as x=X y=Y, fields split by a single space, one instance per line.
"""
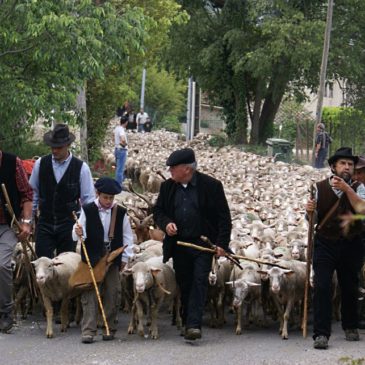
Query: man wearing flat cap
x=190 y=205
x=60 y=181
x=335 y=250
x=94 y=225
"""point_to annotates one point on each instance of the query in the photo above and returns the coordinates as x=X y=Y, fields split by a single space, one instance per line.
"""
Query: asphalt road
x=27 y=345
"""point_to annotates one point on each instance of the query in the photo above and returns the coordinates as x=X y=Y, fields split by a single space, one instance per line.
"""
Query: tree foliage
x=49 y=48
x=163 y=92
x=248 y=54
x=346 y=126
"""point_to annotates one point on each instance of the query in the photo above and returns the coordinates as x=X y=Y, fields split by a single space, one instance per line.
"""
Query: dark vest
x=326 y=199
x=58 y=201
x=94 y=241
x=7 y=177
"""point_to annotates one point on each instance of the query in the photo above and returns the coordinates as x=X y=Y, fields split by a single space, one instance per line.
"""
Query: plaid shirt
x=22 y=184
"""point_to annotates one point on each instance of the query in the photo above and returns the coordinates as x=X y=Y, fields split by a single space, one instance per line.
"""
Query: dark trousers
x=51 y=237
x=344 y=256
x=319 y=162
x=192 y=269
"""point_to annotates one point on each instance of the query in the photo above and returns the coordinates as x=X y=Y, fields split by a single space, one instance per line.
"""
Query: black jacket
x=215 y=215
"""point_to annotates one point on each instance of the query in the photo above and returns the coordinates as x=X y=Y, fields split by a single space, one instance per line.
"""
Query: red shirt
x=21 y=179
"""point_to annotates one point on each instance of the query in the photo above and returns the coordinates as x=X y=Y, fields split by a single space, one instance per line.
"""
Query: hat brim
x=333 y=159
x=47 y=139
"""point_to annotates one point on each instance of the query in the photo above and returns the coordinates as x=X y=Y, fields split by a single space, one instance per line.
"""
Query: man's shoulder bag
x=81 y=278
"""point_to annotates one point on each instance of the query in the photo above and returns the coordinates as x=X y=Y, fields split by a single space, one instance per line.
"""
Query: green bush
x=170 y=124
x=26 y=149
x=204 y=124
x=218 y=140
x=257 y=149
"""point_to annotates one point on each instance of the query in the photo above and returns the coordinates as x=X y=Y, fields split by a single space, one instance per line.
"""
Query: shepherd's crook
x=25 y=243
x=239 y=257
x=308 y=267
x=94 y=281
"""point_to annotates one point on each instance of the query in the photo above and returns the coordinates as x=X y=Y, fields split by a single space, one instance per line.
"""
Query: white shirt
x=119 y=135
x=142 y=118
x=105 y=216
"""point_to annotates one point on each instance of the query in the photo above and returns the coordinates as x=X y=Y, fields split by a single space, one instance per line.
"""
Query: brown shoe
x=193 y=334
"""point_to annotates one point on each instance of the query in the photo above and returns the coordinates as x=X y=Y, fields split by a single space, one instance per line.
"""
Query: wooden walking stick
x=25 y=243
x=84 y=250
x=239 y=257
x=308 y=266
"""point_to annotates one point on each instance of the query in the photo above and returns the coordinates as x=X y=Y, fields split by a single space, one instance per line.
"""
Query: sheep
x=245 y=286
x=53 y=276
x=287 y=288
x=23 y=286
x=153 y=283
x=217 y=293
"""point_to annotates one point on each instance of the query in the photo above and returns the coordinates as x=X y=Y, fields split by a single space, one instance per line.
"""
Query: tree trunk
x=255 y=130
x=81 y=110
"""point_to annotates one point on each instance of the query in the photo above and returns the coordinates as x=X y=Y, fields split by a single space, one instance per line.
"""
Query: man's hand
x=310 y=206
x=122 y=266
x=219 y=251
x=25 y=231
x=78 y=230
x=171 y=229
x=340 y=184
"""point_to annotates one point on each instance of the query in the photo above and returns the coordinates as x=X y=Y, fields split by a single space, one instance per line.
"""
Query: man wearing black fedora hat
x=60 y=181
x=191 y=205
x=335 y=250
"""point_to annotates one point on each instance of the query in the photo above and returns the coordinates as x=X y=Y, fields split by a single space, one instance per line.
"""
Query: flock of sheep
x=266 y=200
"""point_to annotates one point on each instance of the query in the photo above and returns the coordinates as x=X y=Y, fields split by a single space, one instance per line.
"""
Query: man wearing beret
x=94 y=227
x=190 y=205
x=335 y=250
x=59 y=181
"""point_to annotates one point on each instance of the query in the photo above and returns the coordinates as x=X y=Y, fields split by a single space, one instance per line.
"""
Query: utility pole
x=322 y=77
x=143 y=87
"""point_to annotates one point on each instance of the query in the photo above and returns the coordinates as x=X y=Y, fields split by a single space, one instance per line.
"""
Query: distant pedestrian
x=60 y=182
x=323 y=141
x=121 y=148
x=141 y=120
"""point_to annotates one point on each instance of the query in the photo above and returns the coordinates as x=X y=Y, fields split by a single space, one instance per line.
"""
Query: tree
x=248 y=54
x=120 y=84
x=48 y=50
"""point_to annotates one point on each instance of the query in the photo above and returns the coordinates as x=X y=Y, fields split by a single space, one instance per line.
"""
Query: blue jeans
x=120 y=159
x=140 y=128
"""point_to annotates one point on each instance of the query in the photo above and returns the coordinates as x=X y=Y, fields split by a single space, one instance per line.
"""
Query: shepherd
x=14 y=177
x=190 y=205
x=105 y=227
x=333 y=250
